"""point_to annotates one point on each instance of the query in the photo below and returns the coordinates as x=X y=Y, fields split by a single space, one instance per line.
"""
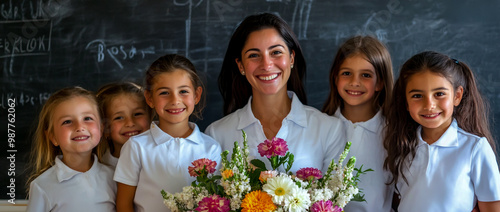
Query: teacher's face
x=266 y=62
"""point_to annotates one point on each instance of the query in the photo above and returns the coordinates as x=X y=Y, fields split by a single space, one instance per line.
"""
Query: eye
x=252 y=55
x=416 y=96
x=184 y=91
x=138 y=114
x=66 y=122
x=88 y=118
x=440 y=94
x=345 y=73
x=366 y=75
x=277 y=52
x=164 y=93
x=118 y=118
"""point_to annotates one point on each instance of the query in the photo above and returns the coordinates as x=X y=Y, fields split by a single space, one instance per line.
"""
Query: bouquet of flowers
x=246 y=185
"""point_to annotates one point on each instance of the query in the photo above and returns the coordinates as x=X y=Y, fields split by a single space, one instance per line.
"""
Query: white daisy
x=279 y=188
x=298 y=201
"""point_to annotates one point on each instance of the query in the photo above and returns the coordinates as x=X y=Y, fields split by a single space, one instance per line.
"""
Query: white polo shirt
x=154 y=160
x=450 y=174
x=313 y=137
x=109 y=159
x=368 y=148
x=61 y=188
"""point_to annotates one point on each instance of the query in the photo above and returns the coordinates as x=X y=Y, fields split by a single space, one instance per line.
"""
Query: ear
x=458 y=96
x=240 y=65
x=198 y=93
x=292 y=57
x=50 y=136
x=149 y=99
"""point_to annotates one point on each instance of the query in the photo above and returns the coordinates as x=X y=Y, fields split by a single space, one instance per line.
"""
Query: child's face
x=431 y=99
x=173 y=97
x=266 y=61
x=127 y=116
x=357 y=82
x=76 y=126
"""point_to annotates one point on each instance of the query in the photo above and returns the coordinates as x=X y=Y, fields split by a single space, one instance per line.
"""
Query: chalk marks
x=24 y=98
x=25 y=38
x=301 y=12
x=117 y=53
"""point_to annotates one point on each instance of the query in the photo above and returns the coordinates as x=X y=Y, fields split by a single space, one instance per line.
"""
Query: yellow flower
x=257 y=201
x=227 y=173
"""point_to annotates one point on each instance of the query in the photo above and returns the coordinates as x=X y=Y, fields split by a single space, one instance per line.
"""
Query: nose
x=354 y=81
x=174 y=99
x=129 y=122
x=266 y=62
x=429 y=104
x=80 y=127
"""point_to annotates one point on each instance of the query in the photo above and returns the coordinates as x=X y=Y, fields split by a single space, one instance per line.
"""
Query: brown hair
x=43 y=152
x=234 y=87
x=170 y=63
x=377 y=54
x=106 y=94
x=401 y=132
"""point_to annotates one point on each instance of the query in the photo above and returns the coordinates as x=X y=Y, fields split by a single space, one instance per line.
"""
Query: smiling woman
x=261 y=82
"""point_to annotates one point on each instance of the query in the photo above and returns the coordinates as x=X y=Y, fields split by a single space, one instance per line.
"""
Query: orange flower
x=257 y=201
x=227 y=173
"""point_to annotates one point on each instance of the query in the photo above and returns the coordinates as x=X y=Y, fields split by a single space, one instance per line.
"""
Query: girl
x=66 y=175
x=125 y=113
x=261 y=82
x=159 y=158
x=360 y=89
x=440 y=149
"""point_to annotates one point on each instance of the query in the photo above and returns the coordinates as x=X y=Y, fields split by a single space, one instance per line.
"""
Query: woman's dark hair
x=401 y=131
x=234 y=87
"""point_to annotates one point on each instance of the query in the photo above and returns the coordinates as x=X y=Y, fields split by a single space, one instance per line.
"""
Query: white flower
x=279 y=188
x=298 y=201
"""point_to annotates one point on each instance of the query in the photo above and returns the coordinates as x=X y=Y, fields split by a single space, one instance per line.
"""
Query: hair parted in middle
x=375 y=53
x=234 y=87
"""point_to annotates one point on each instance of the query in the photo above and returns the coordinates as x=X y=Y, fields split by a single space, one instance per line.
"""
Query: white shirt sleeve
x=38 y=199
x=129 y=166
x=335 y=144
x=485 y=174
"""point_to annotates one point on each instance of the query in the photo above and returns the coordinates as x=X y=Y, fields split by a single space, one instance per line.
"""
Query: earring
x=291 y=66
x=243 y=73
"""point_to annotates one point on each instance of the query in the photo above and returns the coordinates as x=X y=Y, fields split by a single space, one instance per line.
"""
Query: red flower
x=200 y=165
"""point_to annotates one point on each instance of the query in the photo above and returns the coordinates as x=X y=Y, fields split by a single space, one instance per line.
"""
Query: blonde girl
x=158 y=158
x=125 y=114
x=67 y=176
x=360 y=89
x=440 y=149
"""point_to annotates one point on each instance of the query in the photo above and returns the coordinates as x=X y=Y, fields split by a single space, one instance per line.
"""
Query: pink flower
x=213 y=203
x=270 y=148
x=309 y=174
x=200 y=165
x=267 y=174
x=325 y=206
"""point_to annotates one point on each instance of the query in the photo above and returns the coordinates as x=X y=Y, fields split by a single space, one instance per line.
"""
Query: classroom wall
x=46 y=45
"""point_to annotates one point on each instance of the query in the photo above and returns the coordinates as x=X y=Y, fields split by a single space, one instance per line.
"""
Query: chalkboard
x=49 y=44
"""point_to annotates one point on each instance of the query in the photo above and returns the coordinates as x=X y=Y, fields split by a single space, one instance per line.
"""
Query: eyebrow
x=168 y=88
x=271 y=47
x=435 y=89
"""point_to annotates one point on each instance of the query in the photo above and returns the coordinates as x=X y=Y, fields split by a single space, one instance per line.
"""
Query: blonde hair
x=105 y=96
x=43 y=152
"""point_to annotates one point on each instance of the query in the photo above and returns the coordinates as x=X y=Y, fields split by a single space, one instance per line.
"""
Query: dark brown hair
x=377 y=54
x=170 y=63
x=234 y=87
x=401 y=132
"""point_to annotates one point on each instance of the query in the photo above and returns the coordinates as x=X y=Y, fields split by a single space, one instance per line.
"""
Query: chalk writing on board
x=25 y=38
x=222 y=7
x=301 y=12
x=24 y=98
x=117 y=53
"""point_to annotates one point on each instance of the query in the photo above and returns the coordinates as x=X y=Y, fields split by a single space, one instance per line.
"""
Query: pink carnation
x=267 y=174
x=269 y=148
x=213 y=203
x=325 y=206
x=200 y=164
x=309 y=174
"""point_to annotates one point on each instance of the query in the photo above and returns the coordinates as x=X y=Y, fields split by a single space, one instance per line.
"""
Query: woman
x=261 y=82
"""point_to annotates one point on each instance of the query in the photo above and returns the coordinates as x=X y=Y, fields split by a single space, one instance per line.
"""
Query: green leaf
x=259 y=164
